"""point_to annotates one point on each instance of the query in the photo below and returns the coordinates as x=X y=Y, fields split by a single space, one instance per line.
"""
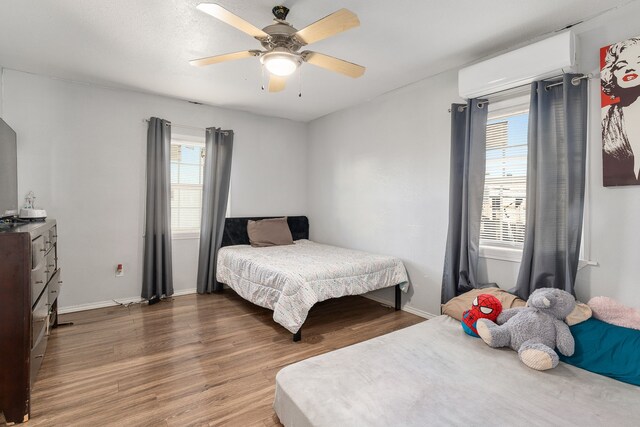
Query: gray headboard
x=235 y=229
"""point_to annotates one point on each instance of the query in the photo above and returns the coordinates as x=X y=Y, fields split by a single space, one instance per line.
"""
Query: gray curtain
x=217 y=173
x=157 y=276
x=466 y=188
x=555 y=186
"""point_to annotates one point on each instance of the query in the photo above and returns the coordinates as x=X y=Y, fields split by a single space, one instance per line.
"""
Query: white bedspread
x=433 y=374
x=290 y=279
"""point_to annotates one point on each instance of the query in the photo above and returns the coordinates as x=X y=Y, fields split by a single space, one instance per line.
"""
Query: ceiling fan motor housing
x=281 y=35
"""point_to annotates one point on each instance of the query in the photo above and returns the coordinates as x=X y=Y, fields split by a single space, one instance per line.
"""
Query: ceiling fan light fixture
x=281 y=63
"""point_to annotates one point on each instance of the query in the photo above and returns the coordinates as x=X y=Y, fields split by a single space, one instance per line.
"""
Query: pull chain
x=262 y=77
x=299 y=82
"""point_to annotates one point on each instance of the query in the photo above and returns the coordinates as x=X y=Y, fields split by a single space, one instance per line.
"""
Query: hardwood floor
x=193 y=360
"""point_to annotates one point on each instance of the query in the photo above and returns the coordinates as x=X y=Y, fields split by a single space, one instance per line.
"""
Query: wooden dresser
x=29 y=287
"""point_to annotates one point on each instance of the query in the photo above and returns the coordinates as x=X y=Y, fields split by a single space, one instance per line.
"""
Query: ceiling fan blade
x=333 y=64
x=276 y=83
x=209 y=60
x=330 y=25
x=227 y=17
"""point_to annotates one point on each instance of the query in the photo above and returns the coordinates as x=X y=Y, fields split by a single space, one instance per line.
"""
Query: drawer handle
x=39 y=356
x=54 y=292
x=39 y=282
x=60 y=281
x=48 y=242
x=40 y=320
x=51 y=265
x=55 y=236
x=43 y=250
x=46 y=271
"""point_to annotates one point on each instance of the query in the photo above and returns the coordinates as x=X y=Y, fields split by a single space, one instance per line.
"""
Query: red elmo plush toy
x=485 y=306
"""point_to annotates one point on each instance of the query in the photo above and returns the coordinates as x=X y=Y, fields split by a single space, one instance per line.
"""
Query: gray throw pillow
x=269 y=232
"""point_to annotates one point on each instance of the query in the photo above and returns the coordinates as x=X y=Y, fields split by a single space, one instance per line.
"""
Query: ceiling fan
x=282 y=43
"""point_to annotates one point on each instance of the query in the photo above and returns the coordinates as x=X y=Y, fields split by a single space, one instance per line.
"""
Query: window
x=187 y=170
x=504 y=202
x=504 y=206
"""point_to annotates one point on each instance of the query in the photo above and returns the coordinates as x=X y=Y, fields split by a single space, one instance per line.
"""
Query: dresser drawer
x=53 y=235
x=38 y=282
x=38 y=248
x=50 y=264
x=47 y=240
x=37 y=354
x=54 y=287
x=39 y=319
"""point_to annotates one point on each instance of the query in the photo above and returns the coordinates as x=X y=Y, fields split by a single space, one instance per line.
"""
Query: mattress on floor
x=434 y=374
x=290 y=279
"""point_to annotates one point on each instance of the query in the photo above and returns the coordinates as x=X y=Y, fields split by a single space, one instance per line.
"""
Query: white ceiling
x=145 y=45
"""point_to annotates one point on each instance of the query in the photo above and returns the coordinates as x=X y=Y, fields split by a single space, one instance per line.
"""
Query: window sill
x=584 y=263
x=501 y=253
x=185 y=236
x=515 y=255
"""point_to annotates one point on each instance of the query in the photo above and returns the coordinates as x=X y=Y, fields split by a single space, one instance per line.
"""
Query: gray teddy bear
x=535 y=330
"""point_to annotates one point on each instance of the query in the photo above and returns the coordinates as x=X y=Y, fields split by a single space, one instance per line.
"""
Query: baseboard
x=114 y=302
x=418 y=312
x=93 y=305
x=405 y=307
x=184 y=292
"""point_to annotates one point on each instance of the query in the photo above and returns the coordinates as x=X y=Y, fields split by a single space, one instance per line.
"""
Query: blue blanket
x=606 y=349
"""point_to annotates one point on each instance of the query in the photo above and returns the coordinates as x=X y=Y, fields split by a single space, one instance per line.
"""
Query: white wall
x=379 y=173
x=379 y=177
x=614 y=212
x=81 y=148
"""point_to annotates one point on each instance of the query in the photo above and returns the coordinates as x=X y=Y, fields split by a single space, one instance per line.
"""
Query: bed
x=290 y=279
x=433 y=373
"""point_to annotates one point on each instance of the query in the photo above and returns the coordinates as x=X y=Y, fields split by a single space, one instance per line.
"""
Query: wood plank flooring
x=193 y=360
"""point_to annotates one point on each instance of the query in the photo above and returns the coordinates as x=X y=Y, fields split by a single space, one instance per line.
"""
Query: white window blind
x=504 y=202
x=187 y=169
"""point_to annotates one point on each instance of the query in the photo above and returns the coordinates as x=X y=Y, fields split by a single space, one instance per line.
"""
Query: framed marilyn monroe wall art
x=620 y=89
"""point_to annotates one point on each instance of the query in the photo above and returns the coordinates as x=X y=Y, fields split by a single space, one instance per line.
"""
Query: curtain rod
x=574 y=81
x=461 y=108
x=186 y=127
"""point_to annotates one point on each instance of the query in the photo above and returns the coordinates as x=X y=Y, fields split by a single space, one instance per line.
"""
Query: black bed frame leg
x=398 y=297
x=297 y=336
x=217 y=287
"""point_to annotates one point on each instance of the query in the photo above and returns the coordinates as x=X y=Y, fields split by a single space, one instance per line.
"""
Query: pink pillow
x=610 y=311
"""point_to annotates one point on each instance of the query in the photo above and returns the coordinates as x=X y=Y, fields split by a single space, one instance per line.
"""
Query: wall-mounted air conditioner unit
x=546 y=58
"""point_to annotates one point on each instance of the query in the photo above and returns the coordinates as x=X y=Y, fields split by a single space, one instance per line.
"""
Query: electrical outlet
x=119 y=270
